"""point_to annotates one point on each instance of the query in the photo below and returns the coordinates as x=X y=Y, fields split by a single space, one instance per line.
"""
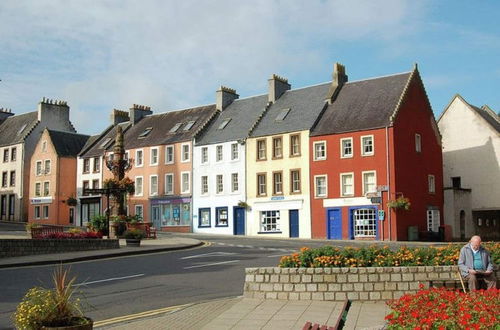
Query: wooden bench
x=37 y=232
x=146 y=227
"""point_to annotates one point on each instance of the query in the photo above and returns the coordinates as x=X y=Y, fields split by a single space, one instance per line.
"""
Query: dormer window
x=224 y=123
x=104 y=143
x=189 y=125
x=281 y=116
x=146 y=132
x=21 y=129
x=175 y=128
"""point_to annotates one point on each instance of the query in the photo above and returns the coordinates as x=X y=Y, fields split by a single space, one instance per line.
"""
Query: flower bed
x=445 y=309
x=70 y=235
x=376 y=256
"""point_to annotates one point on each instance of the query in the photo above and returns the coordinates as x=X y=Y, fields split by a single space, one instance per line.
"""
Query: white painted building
x=471 y=174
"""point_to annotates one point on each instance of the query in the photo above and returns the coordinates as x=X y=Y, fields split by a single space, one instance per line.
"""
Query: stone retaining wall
x=338 y=284
x=25 y=247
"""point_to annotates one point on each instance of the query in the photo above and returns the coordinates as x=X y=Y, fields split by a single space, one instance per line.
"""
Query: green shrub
x=134 y=234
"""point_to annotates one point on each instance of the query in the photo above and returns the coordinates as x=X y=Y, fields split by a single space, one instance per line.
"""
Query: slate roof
x=10 y=128
x=362 y=105
x=243 y=114
x=305 y=105
x=491 y=117
x=107 y=137
x=67 y=144
x=92 y=139
x=161 y=124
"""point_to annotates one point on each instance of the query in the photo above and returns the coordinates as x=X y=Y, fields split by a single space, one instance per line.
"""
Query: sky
x=170 y=55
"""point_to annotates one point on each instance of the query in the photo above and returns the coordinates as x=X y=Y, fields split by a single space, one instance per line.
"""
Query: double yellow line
x=139 y=315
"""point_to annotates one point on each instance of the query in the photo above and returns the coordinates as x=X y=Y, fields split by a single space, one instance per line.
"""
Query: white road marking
x=213 y=264
x=276 y=255
x=210 y=254
x=109 y=279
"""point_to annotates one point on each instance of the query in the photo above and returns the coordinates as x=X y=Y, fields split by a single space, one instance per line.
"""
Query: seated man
x=475 y=263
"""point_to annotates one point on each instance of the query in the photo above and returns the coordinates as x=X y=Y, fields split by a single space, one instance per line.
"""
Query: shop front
x=171 y=214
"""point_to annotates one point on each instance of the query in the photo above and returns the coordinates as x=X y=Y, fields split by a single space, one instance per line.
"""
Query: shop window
x=270 y=221
x=365 y=222
x=37 y=212
x=204 y=217
x=221 y=217
x=433 y=220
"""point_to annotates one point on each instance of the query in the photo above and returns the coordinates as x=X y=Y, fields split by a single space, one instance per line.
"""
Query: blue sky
x=100 y=55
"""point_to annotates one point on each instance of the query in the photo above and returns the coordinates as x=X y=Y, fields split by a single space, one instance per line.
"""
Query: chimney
x=339 y=78
x=5 y=113
x=137 y=112
x=224 y=97
x=118 y=116
x=53 y=111
x=277 y=86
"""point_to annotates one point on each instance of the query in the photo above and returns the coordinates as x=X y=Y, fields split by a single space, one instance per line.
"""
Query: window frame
x=342 y=154
x=188 y=159
x=316 y=186
x=137 y=158
x=264 y=143
x=188 y=182
x=233 y=175
x=169 y=192
x=151 y=162
x=342 y=175
x=13 y=154
x=85 y=183
x=45 y=162
x=292 y=191
x=217 y=216
x=12 y=178
x=373 y=224
x=37 y=213
x=431 y=221
x=172 y=147
x=45 y=211
x=141 y=207
x=217 y=190
x=151 y=192
x=97 y=165
x=263 y=224
x=418 y=143
x=235 y=151
x=204 y=192
x=136 y=193
x=46 y=192
x=280 y=139
x=315 y=144
x=37 y=172
x=204 y=209
x=363 y=181
x=5 y=179
x=275 y=191
x=218 y=148
x=95 y=186
x=86 y=166
x=204 y=155
x=6 y=154
x=292 y=154
x=38 y=191
x=361 y=140
x=431 y=183
x=264 y=175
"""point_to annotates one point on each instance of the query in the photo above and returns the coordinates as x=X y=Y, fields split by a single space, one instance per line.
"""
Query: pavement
x=228 y=313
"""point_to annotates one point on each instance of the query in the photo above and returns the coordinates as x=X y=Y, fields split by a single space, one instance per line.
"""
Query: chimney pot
x=224 y=97
x=277 y=86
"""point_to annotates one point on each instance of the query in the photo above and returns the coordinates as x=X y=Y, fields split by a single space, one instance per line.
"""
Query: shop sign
x=41 y=200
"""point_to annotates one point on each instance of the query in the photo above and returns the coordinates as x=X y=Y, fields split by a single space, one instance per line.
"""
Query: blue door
x=239 y=220
x=334 y=217
x=294 y=223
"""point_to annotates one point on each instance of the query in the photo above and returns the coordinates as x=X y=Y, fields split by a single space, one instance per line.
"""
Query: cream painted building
x=471 y=174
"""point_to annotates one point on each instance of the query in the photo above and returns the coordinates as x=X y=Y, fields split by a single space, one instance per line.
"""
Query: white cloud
x=101 y=55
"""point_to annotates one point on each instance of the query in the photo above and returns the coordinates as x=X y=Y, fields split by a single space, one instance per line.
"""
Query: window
x=418 y=142
x=204 y=216
x=221 y=217
x=218 y=154
x=175 y=128
x=85 y=186
x=432 y=183
x=479 y=221
x=234 y=182
x=185 y=153
x=261 y=149
x=97 y=165
x=153 y=185
x=169 y=154
x=369 y=182
x=367 y=145
x=13 y=154
x=47 y=166
x=433 y=220
x=5 y=155
x=169 y=184
x=270 y=221
x=224 y=123
x=138 y=158
x=95 y=184
x=277 y=183
x=145 y=132
x=37 y=212
x=138 y=186
x=4 y=179
x=365 y=222
x=189 y=125
x=346 y=148
x=103 y=144
x=38 y=189
x=320 y=150
x=38 y=167
x=46 y=188
x=282 y=115
x=204 y=155
x=320 y=186
x=294 y=145
x=139 y=211
x=153 y=156
x=44 y=146
x=261 y=184
x=185 y=187
x=234 y=151
x=86 y=165
x=219 y=184
x=12 y=182
x=277 y=147
x=347 y=184
x=456 y=182
x=204 y=185
x=295 y=181
x=45 y=211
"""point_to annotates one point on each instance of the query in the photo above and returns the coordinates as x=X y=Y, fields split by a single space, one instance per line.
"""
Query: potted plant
x=400 y=203
x=56 y=308
x=244 y=205
x=133 y=237
x=71 y=201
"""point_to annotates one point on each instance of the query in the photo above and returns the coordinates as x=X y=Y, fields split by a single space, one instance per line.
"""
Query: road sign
x=381 y=214
x=383 y=188
x=372 y=194
x=376 y=200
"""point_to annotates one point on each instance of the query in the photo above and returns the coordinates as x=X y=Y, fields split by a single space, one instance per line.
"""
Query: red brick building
x=377 y=140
